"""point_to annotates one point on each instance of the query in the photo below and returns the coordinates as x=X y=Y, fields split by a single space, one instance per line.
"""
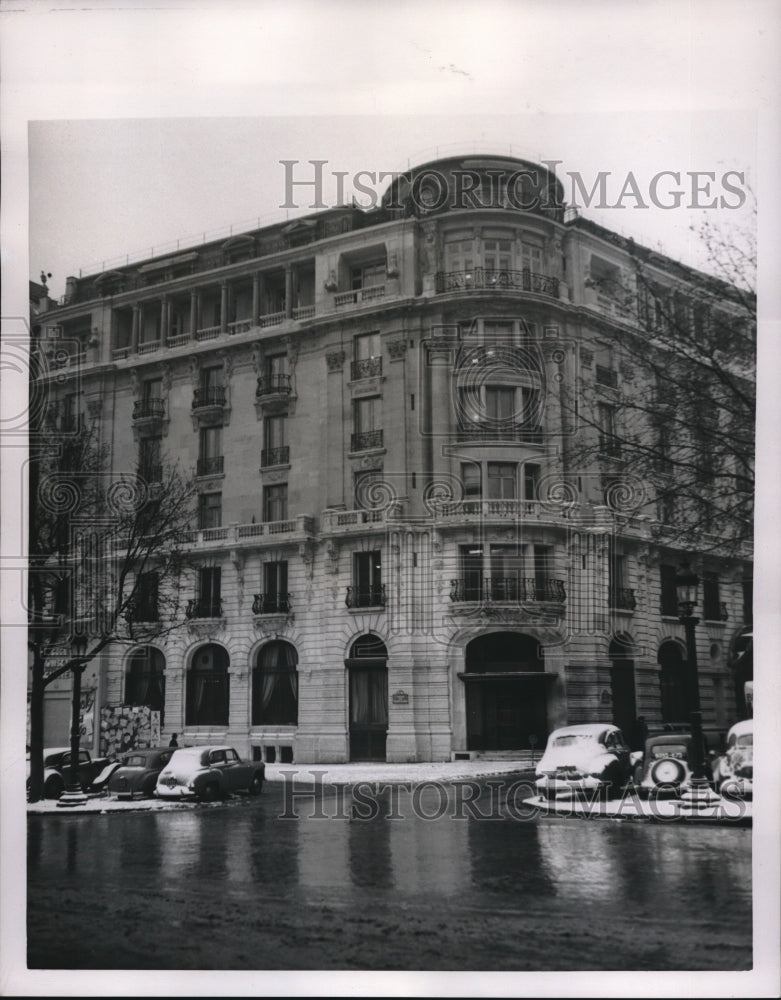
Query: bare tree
x=683 y=417
x=106 y=554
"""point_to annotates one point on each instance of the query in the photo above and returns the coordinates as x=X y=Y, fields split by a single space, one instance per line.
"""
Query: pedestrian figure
x=173 y=742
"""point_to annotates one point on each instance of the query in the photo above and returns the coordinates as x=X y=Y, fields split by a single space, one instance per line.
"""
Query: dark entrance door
x=673 y=681
x=368 y=680
x=368 y=712
x=506 y=693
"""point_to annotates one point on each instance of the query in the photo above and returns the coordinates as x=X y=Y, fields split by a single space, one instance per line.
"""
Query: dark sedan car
x=93 y=771
x=138 y=771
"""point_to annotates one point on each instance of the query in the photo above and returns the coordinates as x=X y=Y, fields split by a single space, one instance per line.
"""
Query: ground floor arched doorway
x=506 y=692
x=367 y=668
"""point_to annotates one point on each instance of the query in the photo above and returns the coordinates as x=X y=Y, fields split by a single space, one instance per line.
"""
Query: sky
x=105 y=190
x=131 y=125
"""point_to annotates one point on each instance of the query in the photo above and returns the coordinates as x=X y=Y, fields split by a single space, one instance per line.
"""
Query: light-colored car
x=733 y=772
x=138 y=772
x=209 y=773
x=592 y=758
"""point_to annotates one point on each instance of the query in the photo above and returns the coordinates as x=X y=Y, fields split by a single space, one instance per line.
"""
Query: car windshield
x=572 y=738
x=136 y=760
x=746 y=740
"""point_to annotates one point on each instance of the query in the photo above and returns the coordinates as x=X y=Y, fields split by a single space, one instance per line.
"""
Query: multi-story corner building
x=418 y=537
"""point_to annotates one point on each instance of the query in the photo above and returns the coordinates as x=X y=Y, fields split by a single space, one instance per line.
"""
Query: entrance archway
x=622 y=684
x=674 y=683
x=506 y=692
x=367 y=668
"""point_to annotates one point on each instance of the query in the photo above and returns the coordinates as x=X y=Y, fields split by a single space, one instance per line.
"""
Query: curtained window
x=208 y=688
x=275 y=686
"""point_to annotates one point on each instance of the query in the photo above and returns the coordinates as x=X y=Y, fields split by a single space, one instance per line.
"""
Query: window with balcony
x=275 y=598
x=210 y=510
x=469 y=585
x=208 y=603
x=669 y=592
x=531 y=481
x=275 y=377
x=367 y=356
x=368 y=275
x=276 y=450
x=145 y=607
x=471 y=480
x=151 y=402
x=150 y=459
x=211 y=391
x=275 y=502
x=497 y=258
x=506 y=582
x=211 y=461
x=367 y=423
x=367 y=589
x=502 y=480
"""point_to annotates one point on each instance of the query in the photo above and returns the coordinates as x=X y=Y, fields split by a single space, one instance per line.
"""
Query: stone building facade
x=401 y=554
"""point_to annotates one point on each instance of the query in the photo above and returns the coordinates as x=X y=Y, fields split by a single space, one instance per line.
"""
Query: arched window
x=275 y=686
x=673 y=681
x=208 y=688
x=145 y=679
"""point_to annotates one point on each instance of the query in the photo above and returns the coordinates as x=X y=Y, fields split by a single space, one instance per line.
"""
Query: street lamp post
x=699 y=794
x=74 y=794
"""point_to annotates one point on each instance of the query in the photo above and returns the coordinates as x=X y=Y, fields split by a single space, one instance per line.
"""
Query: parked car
x=665 y=767
x=587 y=758
x=94 y=772
x=138 y=772
x=209 y=773
x=733 y=772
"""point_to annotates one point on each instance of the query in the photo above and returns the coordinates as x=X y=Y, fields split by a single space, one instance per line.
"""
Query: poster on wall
x=87 y=716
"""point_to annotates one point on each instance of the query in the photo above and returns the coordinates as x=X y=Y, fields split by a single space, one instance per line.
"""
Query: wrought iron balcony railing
x=204 y=607
x=483 y=277
x=366 y=597
x=623 y=598
x=531 y=434
x=271 y=604
x=271 y=384
x=507 y=590
x=366 y=368
x=211 y=466
x=275 y=456
x=143 y=408
x=365 y=440
x=211 y=396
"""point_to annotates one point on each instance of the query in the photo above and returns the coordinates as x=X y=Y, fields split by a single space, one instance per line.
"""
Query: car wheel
x=54 y=787
x=668 y=772
x=256 y=785
x=211 y=792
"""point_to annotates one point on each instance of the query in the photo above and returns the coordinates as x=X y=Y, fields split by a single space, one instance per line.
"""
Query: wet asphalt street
x=385 y=879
